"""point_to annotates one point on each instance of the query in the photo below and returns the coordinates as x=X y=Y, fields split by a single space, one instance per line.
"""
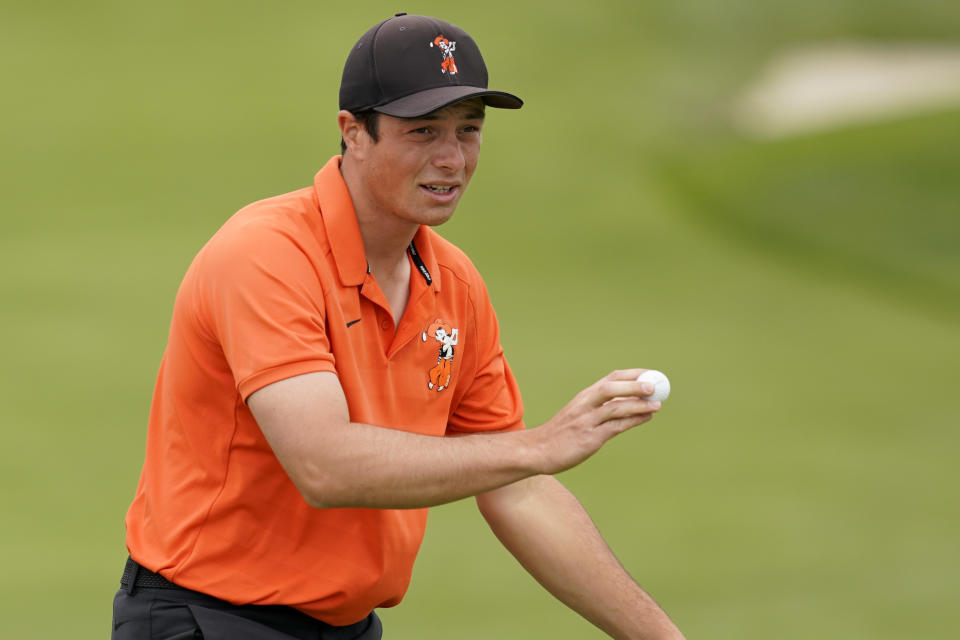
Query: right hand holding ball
x=659 y=381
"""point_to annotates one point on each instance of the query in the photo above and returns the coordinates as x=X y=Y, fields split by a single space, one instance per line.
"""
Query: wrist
x=531 y=452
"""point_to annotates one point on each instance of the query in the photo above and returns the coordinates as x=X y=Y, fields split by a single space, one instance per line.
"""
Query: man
x=326 y=346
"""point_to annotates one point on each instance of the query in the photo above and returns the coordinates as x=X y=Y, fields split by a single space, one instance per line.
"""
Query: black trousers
x=175 y=613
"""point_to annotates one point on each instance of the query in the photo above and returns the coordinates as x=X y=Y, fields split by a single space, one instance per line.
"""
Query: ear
x=351 y=131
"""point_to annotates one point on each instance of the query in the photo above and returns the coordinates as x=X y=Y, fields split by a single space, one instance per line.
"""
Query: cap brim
x=429 y=100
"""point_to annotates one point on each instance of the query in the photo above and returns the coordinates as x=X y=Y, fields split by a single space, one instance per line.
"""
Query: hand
x=606 y=408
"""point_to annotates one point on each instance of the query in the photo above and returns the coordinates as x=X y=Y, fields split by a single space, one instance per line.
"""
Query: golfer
x=334 y=368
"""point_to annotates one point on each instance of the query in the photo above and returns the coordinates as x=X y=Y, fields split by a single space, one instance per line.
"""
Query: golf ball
x=660 y=382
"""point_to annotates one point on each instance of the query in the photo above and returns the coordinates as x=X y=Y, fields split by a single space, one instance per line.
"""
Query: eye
x=421 y=130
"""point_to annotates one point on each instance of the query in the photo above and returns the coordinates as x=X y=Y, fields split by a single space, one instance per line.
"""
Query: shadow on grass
x=875 y=205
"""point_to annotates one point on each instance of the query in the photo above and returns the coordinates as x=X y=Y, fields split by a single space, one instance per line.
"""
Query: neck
x=385 y=237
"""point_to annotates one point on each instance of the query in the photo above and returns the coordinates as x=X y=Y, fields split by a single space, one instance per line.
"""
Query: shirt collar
x=340 y=222
x=343 y=231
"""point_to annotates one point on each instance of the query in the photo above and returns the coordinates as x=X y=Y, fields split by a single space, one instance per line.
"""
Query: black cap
x=408 y=66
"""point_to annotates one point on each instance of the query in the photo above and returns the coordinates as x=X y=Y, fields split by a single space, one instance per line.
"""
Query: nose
x=449 y=154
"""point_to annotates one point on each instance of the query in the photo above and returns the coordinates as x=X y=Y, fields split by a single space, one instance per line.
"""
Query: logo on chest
x=447 y=337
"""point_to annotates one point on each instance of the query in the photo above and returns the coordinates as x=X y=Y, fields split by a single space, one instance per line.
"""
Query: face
x=420 y=167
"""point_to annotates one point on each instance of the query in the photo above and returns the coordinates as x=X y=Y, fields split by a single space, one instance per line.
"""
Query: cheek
x=386 y=177
x=471 y=158
x=400 y=169
x=471 y=167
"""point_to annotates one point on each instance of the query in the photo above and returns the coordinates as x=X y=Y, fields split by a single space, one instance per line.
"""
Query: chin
x=435 y=216
x=436 y=220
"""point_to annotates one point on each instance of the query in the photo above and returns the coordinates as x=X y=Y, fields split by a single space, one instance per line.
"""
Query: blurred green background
x=802 y=293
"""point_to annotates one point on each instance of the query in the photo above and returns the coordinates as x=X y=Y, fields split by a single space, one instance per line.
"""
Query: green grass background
x=803 y=295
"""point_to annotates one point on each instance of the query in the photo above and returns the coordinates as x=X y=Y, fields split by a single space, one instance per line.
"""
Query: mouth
x=441 y=191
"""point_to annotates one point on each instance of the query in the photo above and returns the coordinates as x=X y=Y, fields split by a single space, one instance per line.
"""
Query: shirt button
x=385 y=325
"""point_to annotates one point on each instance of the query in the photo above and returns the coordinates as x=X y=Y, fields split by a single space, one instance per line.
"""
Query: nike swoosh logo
x=353 y=322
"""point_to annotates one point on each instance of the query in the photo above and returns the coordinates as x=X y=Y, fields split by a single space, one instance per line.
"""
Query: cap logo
x=448 y=65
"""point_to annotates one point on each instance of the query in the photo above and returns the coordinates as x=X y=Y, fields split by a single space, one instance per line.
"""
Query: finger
x=627 y=407
x=607 y=390
x=624 y=374
x=619 y=425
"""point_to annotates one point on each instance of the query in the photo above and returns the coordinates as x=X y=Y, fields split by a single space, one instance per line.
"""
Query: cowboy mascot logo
x=446 y=48
x=447 y=336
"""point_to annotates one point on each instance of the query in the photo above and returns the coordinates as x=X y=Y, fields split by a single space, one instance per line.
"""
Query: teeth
x=437 y=189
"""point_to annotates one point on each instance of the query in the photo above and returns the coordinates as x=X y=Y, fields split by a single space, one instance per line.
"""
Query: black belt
x=136 y=575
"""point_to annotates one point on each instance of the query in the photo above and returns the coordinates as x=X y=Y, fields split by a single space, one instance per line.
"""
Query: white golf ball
x=660 y=382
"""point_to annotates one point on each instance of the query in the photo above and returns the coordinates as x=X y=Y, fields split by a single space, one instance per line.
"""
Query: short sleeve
x=492 y=400
x=265 y=306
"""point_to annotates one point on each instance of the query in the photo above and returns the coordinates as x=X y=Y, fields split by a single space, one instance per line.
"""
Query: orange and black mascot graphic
x=446 y=48
x=447 y=336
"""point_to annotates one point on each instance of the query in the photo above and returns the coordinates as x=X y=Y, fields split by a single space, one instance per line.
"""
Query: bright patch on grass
x=823 y=87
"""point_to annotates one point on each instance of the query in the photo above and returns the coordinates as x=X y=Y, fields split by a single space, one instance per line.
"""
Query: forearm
x=338 y=463
x=380 y=468
x=551 y=535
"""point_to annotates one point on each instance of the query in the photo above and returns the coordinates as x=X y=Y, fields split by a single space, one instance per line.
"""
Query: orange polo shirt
x=280 y=290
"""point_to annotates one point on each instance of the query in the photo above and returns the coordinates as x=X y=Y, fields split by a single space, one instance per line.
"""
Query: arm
x=338 y=463
x=551 y=535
